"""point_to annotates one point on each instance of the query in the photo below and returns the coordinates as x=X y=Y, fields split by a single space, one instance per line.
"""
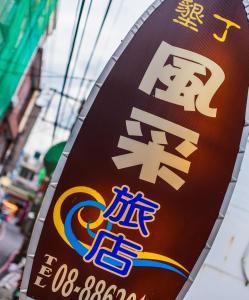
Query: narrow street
x=10 y=243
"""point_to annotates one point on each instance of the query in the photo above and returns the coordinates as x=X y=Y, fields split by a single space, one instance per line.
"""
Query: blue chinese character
x=118 y=259
x=131 y=211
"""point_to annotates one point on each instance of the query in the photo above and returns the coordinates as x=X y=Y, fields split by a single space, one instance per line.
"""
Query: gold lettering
x=229 y=24
x=190 y=14
x=38 y=282
x=45 y=271
x=50 y=259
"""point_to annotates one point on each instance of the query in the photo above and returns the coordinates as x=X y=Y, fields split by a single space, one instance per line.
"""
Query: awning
x=52 y=157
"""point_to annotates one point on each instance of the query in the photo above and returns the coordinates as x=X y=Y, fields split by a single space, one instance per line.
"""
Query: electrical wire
x=9 y=61
x=67 y=68
x=50 y=58
x=42 y=75
x=89 y=63
x=75 y=20
x=114 y=25
x=80 y=44
x=62 y=112
x=94 y=49
x=89 y=84
x=76 y=58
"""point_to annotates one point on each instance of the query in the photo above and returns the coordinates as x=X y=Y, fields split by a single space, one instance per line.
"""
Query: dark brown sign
x=149 y=169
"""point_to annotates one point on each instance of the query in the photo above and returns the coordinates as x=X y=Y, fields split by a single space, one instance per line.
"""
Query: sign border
x=60 y=166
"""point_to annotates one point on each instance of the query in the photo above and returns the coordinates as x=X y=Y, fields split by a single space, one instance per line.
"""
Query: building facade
x=24 y=26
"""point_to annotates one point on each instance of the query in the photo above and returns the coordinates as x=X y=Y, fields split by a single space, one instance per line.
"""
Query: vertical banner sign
x=134 y=204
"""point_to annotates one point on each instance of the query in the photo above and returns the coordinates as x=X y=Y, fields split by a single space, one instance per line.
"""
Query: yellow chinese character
x=229 y=24
x=190 y=14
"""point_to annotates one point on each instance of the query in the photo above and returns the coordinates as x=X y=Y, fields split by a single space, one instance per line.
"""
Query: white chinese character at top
x=190 y=79
x=154 y=160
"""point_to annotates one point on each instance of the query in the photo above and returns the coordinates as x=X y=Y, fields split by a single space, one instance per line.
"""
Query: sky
x=122 y=16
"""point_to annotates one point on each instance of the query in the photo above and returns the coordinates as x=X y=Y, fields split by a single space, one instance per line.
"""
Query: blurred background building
x=24 y=27
x=51 y=53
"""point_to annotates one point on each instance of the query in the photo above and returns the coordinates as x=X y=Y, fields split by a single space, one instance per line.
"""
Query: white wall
x=221 y=276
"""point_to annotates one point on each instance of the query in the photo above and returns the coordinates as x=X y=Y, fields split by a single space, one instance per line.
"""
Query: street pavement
x=5 y=294
x=11 y=241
